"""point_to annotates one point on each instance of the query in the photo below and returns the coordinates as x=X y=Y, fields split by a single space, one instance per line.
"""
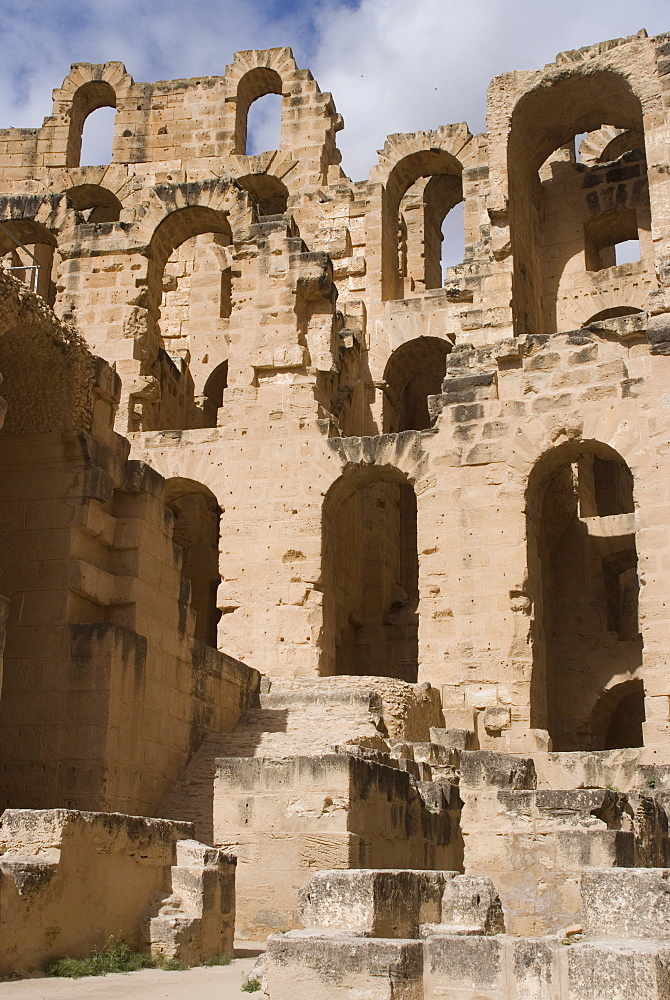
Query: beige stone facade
x=349 y=559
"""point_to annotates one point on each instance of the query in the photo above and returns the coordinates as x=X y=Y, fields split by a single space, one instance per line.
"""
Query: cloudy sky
x=392 y=65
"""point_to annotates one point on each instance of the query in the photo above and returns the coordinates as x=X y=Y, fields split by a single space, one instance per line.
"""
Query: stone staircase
x=293 y=719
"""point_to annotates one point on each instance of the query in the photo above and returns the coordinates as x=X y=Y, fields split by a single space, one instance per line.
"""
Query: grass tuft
x=114 y=957
x=251 y=986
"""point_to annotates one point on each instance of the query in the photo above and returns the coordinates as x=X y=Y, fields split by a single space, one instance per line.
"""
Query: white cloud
x=395 y=66
x=156 y=39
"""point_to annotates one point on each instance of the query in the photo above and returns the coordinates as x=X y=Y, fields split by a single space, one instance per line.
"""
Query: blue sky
x=392 y=65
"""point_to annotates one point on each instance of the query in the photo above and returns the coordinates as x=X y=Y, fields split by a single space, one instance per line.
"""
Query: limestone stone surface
x=72 y=881
x=350 y=559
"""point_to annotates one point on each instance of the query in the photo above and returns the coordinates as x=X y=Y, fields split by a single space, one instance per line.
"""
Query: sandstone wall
x=106 y=690
x=71 y=882
x=285 y=818
x=269 y=319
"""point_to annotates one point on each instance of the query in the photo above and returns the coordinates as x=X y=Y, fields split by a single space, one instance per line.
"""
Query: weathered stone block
x=303 y=964
x=617 y=971
x=373 y=903
x=626 y=903
x=456 y=965
x=485 y=768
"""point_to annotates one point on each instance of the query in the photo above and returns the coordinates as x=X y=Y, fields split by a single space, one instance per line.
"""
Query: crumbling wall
x=71 y=882
x=284 y=818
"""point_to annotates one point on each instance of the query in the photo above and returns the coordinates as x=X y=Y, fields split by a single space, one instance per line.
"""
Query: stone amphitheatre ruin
x=336 y=588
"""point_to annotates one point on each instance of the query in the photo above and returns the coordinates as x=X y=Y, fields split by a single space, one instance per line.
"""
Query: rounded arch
x=413 y=372
x=550 y=114
x=556 y=108
x=255 y=73
x=256 y=83
x=213 y=391
x=222 y=202
x=613 y=312
x=27 y=250
x=582 y=579
x=406 y=243
x=455 y=140
x=196 y=515
x=95 y=203
x=177 y=228
x=181 y=225
x=568 y=452
x=25 y=230
x=89 y=97
x=51 y=211
x=190 y=294
x=608 y=143
x=618 y=716
x=370 y=574
x=421 y=163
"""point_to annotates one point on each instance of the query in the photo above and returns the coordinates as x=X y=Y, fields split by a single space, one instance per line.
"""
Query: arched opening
x=213 y=394
x=607 y=144
x=414 y=372
x=258 y=83
x=420 y=192
x=453 y=238
x=582 y=564
x=608 y=238
x=613 y=312
x=95 y=203
x=196 y=288
x=191 y=292
x=370 y=576
x=264 y=124
x=97 y=138
x=89 y=98
x=569 y=212
x=196 y=531
x=618 y=717
x=28 y=250
x=269 y=193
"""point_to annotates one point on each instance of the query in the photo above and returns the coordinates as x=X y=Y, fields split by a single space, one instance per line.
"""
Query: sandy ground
x=217 y=983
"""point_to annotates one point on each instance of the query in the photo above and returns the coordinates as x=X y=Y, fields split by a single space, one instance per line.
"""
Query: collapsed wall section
x=71 y=882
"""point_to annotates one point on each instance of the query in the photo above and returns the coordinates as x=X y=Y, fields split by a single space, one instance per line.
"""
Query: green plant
x=651 y=782
x=251 y=986
x=116 y=956
x=218 y=960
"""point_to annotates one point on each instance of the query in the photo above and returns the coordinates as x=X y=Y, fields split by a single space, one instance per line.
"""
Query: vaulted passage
x=29 y=251
x=414 y=372
x=370 y=571
x=618 y=716
x=579 y=199
x=587 y=648
x=421 y=191
x=190 y=290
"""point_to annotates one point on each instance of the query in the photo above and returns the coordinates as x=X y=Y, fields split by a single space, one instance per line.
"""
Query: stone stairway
x=291 y=721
